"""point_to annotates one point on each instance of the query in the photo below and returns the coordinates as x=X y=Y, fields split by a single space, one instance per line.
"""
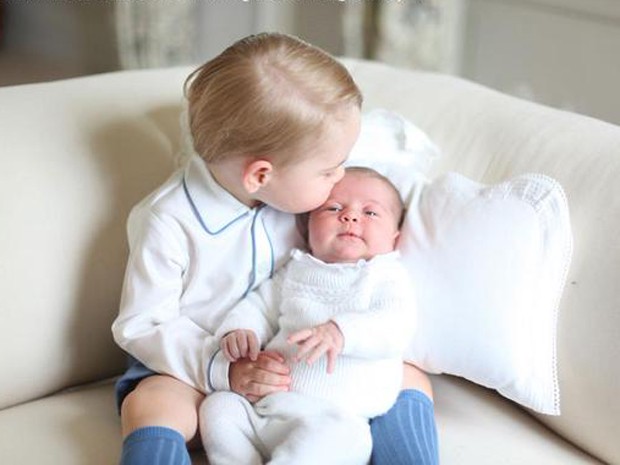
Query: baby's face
x=358 y=221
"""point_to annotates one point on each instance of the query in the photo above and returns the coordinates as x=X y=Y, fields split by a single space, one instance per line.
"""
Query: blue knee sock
x=155 y=445
x=406 y=434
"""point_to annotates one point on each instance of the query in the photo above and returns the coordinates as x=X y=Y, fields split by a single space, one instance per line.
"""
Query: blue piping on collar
x=253 y=233
x=234 y=220
x=273 y=265
x=199 y=218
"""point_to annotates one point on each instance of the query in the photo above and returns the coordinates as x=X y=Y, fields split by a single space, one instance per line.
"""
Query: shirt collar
x=213 y=205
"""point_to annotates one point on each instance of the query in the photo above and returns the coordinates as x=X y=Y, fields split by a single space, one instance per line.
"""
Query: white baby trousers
x=281 y=429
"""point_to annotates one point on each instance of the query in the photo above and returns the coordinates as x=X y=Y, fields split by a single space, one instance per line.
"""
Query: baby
x=341 y=315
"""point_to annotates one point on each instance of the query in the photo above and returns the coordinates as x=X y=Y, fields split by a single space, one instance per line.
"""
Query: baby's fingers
x=229 y=346
x=239 y=344
x=300 y=336
x=331 y=360
x=253 y=347
x=317 y=352
x=242 y=344
x=307 y=348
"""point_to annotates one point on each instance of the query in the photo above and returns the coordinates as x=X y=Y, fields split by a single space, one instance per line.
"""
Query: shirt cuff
x=217 y=372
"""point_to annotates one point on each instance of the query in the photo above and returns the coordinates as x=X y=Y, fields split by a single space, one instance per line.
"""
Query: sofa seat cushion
x=476 y=426
x=73 y=428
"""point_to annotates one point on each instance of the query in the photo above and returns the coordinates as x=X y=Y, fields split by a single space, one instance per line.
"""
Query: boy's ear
x=257 y=174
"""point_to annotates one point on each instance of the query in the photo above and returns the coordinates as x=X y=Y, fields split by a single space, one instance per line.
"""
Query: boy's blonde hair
x=267 y=94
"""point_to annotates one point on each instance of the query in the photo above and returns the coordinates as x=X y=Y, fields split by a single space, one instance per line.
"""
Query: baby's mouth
x=349 y=235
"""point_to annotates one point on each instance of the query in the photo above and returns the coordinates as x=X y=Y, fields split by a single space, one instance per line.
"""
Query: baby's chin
x=343 y=257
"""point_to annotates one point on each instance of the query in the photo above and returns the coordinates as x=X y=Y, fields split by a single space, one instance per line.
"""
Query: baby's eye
x=371 y=213
x=333 y=208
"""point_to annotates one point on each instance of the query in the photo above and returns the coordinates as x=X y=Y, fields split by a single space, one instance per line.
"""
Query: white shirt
x=373 y=304
x=195 y=251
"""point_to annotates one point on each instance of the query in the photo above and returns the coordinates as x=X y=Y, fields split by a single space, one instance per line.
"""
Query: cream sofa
x=76 y=154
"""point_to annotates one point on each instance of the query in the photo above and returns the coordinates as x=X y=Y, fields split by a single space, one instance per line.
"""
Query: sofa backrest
x=75 y=156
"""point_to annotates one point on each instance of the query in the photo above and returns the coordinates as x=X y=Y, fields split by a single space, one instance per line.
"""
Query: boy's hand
x=241 y=343
x=318 y=340
x=255 y=379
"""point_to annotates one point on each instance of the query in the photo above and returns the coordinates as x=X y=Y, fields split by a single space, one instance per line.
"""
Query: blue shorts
x=135 y=373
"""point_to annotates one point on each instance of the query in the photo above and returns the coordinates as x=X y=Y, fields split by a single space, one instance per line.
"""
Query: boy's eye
x=371 y=213
x=333 y=208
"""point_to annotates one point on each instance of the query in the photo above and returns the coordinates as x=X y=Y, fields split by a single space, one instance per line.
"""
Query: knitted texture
x=371 y=302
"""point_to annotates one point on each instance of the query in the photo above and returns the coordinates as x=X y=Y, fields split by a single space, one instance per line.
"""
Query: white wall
x=221 y=22
x=52 y=39
x=564 y=53
x=74 y=35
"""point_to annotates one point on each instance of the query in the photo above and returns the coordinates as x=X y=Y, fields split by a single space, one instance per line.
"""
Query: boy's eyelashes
x=330 y=173
x=333 y=171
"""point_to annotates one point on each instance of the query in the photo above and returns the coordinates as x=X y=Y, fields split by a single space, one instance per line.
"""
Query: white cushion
x=389 y=142
x=489 y=264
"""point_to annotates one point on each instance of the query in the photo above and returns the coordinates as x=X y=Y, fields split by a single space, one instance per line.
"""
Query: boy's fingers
x=272 y=362
x=252 y=399
x=252 y=380
x=261 y=382
x=273 y=355
x=261 y=390
x=267 y=379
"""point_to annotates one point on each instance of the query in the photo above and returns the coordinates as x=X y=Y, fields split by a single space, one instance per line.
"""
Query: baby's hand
x=318 y=340
x=240 y=343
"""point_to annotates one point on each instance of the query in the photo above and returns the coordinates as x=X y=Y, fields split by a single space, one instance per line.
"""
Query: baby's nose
x=349 y=216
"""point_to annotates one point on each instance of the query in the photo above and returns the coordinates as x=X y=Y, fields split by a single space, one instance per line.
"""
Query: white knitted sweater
x=372 y=302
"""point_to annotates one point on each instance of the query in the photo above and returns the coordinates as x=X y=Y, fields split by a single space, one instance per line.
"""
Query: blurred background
x=563 y=53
